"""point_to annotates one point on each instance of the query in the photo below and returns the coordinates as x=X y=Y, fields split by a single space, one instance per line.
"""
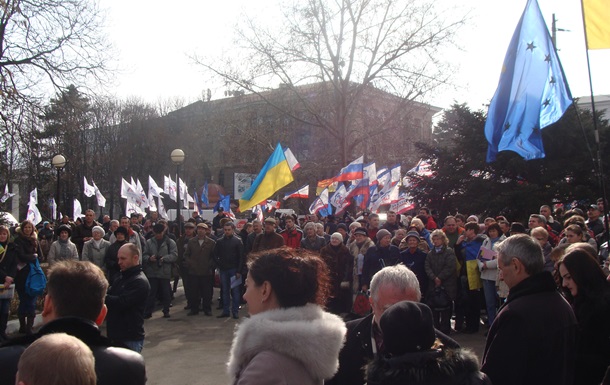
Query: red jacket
x=292 y=238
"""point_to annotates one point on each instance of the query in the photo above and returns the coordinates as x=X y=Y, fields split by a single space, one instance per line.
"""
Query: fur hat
x=382 y=233
x=121 y=230
x=158 y=228
x=361 y=231
x=407 y=327
x=64 y=228
x=98 y=229
x=338 y=236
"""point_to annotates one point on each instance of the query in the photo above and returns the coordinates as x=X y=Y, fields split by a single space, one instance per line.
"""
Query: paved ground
x=185 y=350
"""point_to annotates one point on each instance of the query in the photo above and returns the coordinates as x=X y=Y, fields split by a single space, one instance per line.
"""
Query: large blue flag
x=532 y=93
x=204 y=195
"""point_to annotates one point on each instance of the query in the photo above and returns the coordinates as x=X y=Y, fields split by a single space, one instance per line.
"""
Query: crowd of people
x=534 y=288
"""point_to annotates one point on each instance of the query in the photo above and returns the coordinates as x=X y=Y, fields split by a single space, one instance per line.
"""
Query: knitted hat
x=361 y=231
x=338 y=236
x=99 y=229
x=414 y=234
x=383 y=233
x=407 y=327
x=342 y=226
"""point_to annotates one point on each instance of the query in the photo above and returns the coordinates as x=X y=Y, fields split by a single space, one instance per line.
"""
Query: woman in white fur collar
x=289 y=338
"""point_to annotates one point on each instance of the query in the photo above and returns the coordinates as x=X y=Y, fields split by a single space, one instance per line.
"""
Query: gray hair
x=115 y=222
x=309 y=225
x=398 y=276
x=526 y=249
x=319 y=225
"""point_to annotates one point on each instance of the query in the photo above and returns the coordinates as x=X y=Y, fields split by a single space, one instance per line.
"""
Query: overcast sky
x=155 y=38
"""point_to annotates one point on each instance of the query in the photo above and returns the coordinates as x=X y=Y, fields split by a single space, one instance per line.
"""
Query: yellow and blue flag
x=532 y=93
x=596 y=15
x=274 y=175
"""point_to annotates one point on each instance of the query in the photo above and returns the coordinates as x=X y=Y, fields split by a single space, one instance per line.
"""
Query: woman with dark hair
x=289 y=338
x=8 y=269
x=26 y=245
x=413 y=354
x=585 y=286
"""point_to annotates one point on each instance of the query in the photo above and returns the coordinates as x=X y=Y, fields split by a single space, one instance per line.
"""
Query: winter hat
x=382 y=233
x=414 y=234
x=338 y=236
x=361 y=231
x=158 y=228
x=66 y=228
x=407 y=327
x=517 y=228
x=121 y=230
x=342 y=226
x=99 y=229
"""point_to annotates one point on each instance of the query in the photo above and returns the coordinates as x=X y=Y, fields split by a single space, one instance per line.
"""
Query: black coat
x=8 y=265
x=357 y=352
x=113 y=365
x=533 y=338
x=229 y=253
x=373 y=261
x=126 y=302
x=27 y=251
x=439 y=367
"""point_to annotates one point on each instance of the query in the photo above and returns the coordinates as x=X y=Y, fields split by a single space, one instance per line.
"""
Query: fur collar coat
x=298 y=345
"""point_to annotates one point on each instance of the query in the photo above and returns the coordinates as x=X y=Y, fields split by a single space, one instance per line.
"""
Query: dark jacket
x=373 y=261
x=266 y=241
x=81 y=232
x=27 y=251
x=292 y=238
x=199 y=259
x=416 y=262
x=229 y=253
x=442 y=265
x=167 y=250
x=8 y=263
x=438 y=366
x=113 y=365
x=313 y=245
x=126 y=302
x=111 y=260
x=338 y=259
x=533 y=338
x=357 y=351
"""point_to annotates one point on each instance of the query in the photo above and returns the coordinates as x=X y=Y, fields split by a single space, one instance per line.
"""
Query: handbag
x=439 y=300
x=361 y=306
x=7 y=292
x=36 y=281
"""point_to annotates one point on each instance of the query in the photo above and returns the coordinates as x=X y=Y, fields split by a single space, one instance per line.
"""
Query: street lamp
x=177 y=157
x=59 y=162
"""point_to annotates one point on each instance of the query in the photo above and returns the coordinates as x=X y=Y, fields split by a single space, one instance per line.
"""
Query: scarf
x=64 y=251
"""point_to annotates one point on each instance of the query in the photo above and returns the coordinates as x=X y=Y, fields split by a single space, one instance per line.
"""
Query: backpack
x=36 y=281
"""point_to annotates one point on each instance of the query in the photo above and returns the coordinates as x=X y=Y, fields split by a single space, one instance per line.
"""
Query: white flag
x=151 y=201
x=169 y=187
x=153 y=189
x=6 y=195
x=88 y=190
x=54 y=209
x=101 y=201
x=34 y=196
x=78 y=209
x=144 y=203
x=33 y=214
x=128 y=192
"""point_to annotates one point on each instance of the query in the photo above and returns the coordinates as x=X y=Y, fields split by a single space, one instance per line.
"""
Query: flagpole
x=600 y=169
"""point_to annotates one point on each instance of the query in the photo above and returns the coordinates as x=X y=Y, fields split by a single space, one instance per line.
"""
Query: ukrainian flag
x=274 y=175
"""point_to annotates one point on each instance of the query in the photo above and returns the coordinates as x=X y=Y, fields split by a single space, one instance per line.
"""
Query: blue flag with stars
x=532 y=93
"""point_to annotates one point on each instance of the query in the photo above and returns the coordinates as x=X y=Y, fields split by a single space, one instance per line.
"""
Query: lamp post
x=59 y=162
x=177 y=157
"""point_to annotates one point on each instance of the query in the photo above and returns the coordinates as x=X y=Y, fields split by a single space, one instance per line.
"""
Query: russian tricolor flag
x=352 y=171
x=303 y=193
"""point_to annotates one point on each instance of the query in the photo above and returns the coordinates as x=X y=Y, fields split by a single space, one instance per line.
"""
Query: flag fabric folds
x=204 y=195
x=88 y=190
x=33 y=214
x=34 y=196
x=7 y=195
x=101 y=201
x=153 y=189
x=274 y=175
x=224 y=202
x=292 y=160
x=320 y=202
x=302 y=193
x=596 y=16
x=352 y=171
x=532 y=92
x=78 y=209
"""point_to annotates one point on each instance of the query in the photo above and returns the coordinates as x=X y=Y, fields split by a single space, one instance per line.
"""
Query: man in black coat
x=359 y=348
x=229 y=254
x=126 y=300
x=533 y=338
x=74 y=305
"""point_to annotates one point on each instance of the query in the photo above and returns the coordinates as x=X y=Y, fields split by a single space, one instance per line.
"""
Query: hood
x=306 y=334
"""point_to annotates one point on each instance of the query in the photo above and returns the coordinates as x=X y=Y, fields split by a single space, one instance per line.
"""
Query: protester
x=288 y=338
x=26 y=245
x=268 y=239
x=489 y=270
x=338 y=259
x=377 y=257
x=8 y=270
x=94 y=250
x=533 y=338
x=74 y=304
x=413 y=354
x=159 y=255
x=57 y=359
x=585 y=286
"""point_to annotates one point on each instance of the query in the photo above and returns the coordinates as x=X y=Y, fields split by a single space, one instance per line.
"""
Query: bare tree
x=49 y=42
x=344 y=52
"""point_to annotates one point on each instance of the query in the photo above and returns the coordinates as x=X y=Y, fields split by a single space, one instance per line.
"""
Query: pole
x=179 y=210
x=57 y=218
